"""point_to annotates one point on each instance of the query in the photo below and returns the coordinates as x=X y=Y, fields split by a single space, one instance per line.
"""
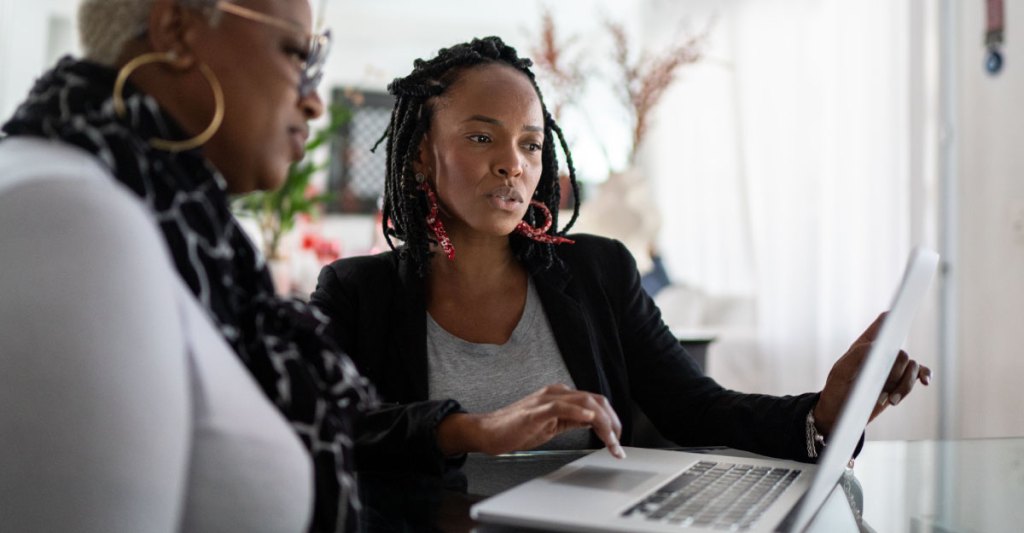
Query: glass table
x=915 y=486
x=933 y=486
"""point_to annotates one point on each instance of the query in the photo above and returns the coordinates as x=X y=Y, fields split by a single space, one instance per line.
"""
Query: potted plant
x=276 y=211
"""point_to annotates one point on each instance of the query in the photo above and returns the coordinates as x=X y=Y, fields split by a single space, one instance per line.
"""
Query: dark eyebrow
x=496 y=122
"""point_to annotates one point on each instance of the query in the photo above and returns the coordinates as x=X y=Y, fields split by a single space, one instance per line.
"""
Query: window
x=356 y=174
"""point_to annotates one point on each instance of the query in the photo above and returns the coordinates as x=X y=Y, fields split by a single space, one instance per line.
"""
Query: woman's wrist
x=823 y=421
x=458 y=433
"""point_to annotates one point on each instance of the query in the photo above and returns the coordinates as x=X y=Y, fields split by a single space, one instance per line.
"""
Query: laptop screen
x=856 y=412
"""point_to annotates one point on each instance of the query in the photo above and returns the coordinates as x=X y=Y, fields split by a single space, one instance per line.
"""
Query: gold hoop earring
x=170 y=57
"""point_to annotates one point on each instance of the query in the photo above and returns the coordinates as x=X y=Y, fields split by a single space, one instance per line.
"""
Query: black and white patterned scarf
x=281 y=342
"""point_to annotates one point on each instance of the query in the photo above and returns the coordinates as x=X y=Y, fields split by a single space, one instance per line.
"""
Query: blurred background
x=796 y=150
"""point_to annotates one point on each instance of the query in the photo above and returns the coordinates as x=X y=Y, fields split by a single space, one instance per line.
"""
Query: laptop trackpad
x=601 y=478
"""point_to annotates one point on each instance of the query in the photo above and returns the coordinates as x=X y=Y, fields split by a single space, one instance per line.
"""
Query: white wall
x=990 y=144
x=32 y=35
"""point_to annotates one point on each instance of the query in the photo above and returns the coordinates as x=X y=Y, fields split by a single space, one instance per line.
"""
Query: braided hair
x=405 y=206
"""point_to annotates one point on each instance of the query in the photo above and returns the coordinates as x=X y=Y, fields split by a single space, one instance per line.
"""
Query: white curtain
x=781 y=165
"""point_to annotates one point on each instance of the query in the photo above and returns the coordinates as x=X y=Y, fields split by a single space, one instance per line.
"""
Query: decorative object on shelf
x=994 y=36
x=644 y=77
x=623 y=206
x=560 y=65
x=640 y=78
x=277 y=211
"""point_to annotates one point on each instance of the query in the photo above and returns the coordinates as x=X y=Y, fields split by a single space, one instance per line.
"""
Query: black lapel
x=410 y=345
x=571 y=328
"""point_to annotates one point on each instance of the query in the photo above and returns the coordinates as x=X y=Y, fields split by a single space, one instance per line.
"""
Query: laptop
x=664 y=490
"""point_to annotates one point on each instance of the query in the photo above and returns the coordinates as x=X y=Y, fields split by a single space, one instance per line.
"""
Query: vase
x=624 y=208
x=281 y=275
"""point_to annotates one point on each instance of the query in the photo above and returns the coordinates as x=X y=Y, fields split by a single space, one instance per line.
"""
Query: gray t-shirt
x=487 y=377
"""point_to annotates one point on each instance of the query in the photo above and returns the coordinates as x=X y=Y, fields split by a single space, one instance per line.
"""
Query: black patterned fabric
x=282 y=342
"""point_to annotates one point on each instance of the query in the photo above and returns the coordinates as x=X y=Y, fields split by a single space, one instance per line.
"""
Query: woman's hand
x=904 y=373
x=530 y=422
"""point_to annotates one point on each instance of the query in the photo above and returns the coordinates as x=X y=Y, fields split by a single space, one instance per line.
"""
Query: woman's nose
x=312 y=106
x=509 y=164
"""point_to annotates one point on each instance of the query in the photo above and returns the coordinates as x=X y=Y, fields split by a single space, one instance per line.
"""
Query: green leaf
x=281 y=207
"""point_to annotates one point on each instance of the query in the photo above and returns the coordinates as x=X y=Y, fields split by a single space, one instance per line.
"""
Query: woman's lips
x=297 y=138
x=505 y=198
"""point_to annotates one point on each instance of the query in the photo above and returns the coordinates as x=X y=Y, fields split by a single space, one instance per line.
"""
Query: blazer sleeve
x=401 y=435
x=688 y=407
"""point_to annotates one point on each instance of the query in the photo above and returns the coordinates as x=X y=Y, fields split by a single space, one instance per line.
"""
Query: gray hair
x=106 y=25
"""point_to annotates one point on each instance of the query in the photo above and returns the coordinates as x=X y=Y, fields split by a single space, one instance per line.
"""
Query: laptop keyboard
x=718 y=495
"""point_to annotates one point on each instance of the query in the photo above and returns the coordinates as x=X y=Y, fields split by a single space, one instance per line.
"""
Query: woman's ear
x=174 y=28
x=424 y=162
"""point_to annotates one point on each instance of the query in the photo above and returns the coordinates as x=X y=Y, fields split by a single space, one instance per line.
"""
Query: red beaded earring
x=540 y=233
x=433 y=222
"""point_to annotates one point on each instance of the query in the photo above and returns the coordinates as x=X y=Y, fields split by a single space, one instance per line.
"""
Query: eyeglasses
x=316 y=56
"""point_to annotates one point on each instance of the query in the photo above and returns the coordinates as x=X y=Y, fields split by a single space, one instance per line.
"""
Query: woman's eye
x=479 y=138
x=532 y=146
x=299 y=54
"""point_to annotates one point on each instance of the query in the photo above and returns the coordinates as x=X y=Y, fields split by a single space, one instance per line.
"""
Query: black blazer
x=610 y=335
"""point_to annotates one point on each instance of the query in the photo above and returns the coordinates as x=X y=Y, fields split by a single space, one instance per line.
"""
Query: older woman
x=150 y=380
x=491 y=331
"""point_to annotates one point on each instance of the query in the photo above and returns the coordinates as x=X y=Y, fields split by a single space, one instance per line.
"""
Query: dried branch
x=640 y=82
x=559 y=66
x=645 y=80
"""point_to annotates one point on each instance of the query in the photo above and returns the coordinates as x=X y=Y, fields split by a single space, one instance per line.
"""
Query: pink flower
x=328 y=250
x=311 y=241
